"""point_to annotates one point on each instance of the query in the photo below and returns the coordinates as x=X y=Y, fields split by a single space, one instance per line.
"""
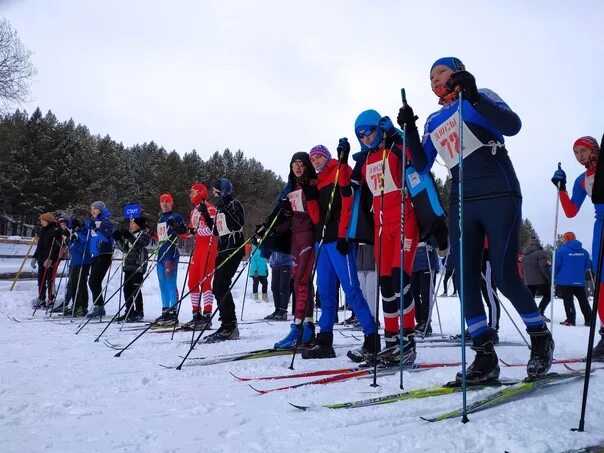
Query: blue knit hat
x=452 y=63
x=367 y=119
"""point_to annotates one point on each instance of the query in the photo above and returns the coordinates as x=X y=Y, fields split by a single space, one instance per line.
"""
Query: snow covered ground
x=62 y=392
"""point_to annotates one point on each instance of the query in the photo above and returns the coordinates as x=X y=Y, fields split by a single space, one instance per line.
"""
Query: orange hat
x=166 y=197
x=48 y=217
x=569 y=236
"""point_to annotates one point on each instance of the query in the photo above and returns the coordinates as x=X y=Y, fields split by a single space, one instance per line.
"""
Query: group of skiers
x=388 y=199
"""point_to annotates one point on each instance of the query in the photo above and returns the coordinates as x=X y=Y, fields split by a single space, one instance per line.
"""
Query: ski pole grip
x=403 y=97
x=559 y=166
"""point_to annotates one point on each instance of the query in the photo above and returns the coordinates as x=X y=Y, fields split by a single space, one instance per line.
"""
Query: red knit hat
x=569 y=236
x=202 y=193
x=166 y=197
x=588 y=142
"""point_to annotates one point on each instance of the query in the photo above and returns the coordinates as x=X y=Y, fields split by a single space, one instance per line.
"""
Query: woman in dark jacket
x=46 y=258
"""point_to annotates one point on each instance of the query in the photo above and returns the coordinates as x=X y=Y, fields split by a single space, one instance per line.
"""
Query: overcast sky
x=275 y=77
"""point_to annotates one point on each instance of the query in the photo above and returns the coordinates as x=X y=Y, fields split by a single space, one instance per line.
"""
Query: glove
x=47 y=263
x=310 y=192
x=179 y=228
x=406 y=116
x=203 y=209
x=559 y=179
x=34 y=263
x=117 y=235
x=343 y=150
x=126 y=234
x=170 y=222
x=342 y=246
x=467 y=85
x=260 y=230
x=285 y=205
x=168 y=268
x=386 y=125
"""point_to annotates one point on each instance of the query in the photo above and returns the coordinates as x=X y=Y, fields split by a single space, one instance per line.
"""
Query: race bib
x=221 y=225
x=446 y=141
x=589 y=184
x=373 y=176
x=295 y=199
x=162 y=231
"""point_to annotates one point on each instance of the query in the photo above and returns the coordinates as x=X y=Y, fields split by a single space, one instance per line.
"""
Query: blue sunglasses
x=367 y=132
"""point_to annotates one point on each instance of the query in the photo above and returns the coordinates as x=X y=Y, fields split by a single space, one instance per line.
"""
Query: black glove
x=203 y=209
x=260 y=229
x=126 y=234
x=343 y=246
x=170 y=222
x=559 y=179
x=285 y=205
x=406 y=116
x=467 y=85
x=219 y=202
x=310 y=192
x=179 y=228
x=117 y=235
x=343 y=150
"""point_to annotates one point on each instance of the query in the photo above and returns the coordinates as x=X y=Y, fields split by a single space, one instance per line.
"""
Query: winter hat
x=141 y=222
x=319 y=149
x=534 y=241
x=223 y=186
x=202 y=193
x=305 y=158
x=569 y=236
x=61 y=220
x=452 y=63
x=98 y=205
x=369 y=119
x=166 y=197
x=48 y=217
x=588 y=142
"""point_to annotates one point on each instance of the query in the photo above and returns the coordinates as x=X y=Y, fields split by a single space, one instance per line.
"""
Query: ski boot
x=494 y=336
x=598 y=350
x=256 y=297
x=542 y=353
x=485 y=367
x=280 y=315
x=98 y=311
x=80 y=312
x=164 y=311
x=272 y=315
x=225 y=332
x=135 y=316
x=265 y=297
x=192 y=324
x=59 y=308
x=308 y=333
x=323 y=349
x=170 y=319
x=351 y=321
x=123 y=317
x=391 y=355
x=290 y=339
x=366 y=352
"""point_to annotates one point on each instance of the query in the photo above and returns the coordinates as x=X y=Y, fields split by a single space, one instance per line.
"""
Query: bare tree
x=16 y=70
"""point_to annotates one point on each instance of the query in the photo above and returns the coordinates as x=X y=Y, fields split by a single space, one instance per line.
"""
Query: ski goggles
x=366 y=132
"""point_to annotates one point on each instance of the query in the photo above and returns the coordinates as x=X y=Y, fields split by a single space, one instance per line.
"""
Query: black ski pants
x=98 y=269
x=567 y=293
x=222 y=284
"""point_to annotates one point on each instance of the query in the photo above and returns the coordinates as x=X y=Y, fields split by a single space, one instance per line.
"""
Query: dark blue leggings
x=499 y=219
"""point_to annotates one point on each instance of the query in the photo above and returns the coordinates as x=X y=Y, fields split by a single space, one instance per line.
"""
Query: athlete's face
x=318 y=161
x=439 y=76
x=165 y=206
x=585 y=156
x=133 y=227
x=94 y=212
x=298 y=168
x=193 y=195
x=368 y=140
x=44 y=223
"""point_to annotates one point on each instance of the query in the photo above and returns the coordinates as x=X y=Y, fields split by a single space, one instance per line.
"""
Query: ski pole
x=58 y=287
x=464 y=418
x=434 y=300
x=433 y=292
x=553 y=279
x=402 y=290
x=245 y=288
x=592 y=326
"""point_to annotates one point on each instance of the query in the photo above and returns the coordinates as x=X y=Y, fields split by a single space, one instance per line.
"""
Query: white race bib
x=446 y=141
x=162 y=231
x=374 y=178
x=589 y=184
x=295 y=198
x=221 y=224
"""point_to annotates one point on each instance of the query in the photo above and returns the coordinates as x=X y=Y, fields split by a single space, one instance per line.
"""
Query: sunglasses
x=366 y=133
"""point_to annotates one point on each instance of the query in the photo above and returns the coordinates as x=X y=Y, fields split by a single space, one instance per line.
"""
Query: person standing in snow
x=258 y=272
x=101 y=251
x=133 y=242
x=572 y=261
x=79 y=248
x=230 y=220
x=537 y=270
x=46 y=258
x=298 y=211
x=281 y=268
x=203 y=261
x=169 y=226
x=587 y=152
x=335 y=259
x=492 y=209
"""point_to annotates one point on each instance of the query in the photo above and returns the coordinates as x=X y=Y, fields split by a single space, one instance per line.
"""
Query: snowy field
x=62 y=392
